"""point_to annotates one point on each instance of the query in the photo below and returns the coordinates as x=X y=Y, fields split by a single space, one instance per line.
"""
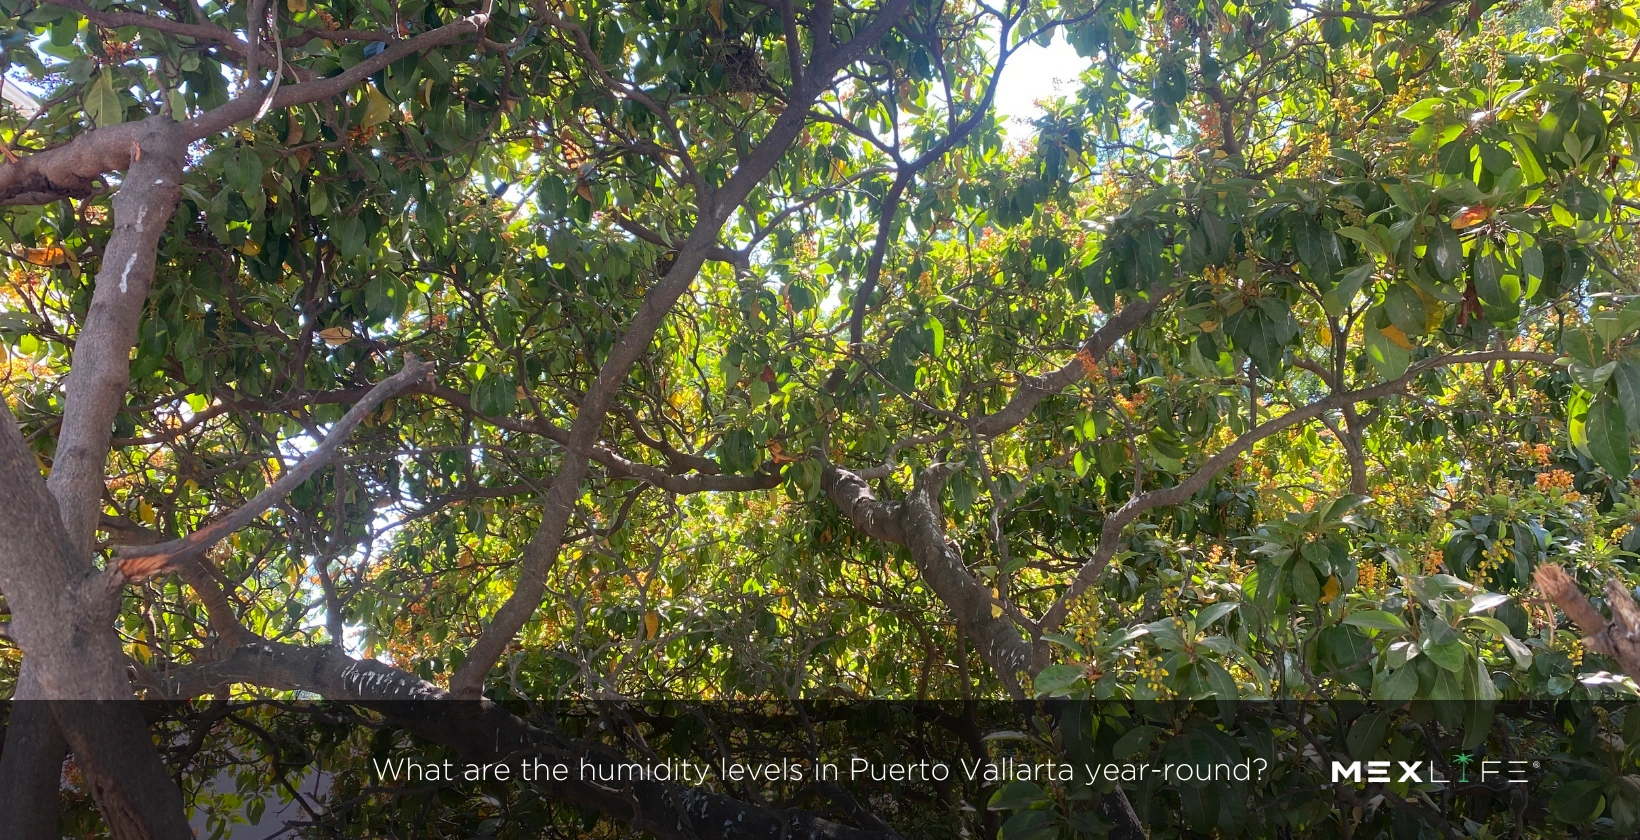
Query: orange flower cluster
x=117 y=52
x=1554 y=480
x=1132 y=404
x=1090 y=368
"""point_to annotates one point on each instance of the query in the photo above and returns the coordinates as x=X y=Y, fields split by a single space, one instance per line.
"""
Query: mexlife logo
x=1427 y=772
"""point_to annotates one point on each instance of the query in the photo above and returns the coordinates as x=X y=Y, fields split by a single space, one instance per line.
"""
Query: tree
x=533 y=347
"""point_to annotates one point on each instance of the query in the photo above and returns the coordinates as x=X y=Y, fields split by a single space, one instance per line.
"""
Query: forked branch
x=140 y=562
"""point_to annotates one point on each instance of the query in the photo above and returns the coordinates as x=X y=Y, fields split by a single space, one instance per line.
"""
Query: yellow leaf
x=1210 y=326
x=996 y=609
x=296 y=7
x=1434 y=310
x=1396 y=337
x=1330 y=591
x=715 y=9
x=336 y=336
x=1326 y=337
x=376 y=109
x=50 y=255
x=250 y=248
x=145 y=511
x=651 y=625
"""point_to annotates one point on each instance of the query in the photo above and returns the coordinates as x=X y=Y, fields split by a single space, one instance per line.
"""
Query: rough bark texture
x=58 y=622
x=1618 y=638
x=30 y=767
x=918 y=523
x=101 y=368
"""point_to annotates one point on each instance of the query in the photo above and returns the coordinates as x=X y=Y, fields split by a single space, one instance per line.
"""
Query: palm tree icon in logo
x=1463 y=760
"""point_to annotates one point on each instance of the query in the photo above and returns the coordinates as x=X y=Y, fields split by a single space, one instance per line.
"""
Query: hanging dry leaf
x=336 y=336
x=1471 y=216
x=51 y=255
x=778 y=453
x=651 y=625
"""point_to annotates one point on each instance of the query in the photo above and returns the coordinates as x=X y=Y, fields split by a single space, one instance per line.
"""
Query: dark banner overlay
x=1051 y=769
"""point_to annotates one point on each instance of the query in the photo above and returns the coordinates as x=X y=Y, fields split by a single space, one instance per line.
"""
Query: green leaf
x=1405 y=308
x=1444 y=252
x=1450 y=656
x=1420 y=110
x=496 y=395
x=1222 y=684
x=318 y=197
x=1056 y=679
x=1016 y=795
x=1578 y=802
x=102 y=102
x=1031 y=825
x=1608 y=435
x=1627 y=378
x=1376 y=620
x=1134 y=740
x=1388 y=358
x=1400 y=684
x=1367 y=735
x=1206 y=617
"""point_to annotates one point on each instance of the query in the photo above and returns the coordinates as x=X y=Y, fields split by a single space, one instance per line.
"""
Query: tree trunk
x=31 y=766
x=62 y=610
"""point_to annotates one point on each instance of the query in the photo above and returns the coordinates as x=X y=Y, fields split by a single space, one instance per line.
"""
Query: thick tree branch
x=70 y=652
x=1618 y=638
x=101 y=368
x=482 y=732
x=139 y=562
x=1034 y=389
x=542 y=550
x=918 y=523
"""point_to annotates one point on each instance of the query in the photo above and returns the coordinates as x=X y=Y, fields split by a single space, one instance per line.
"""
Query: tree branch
x=139 y=562
x=1618 y=638
x=100 y=371
x=1036 y=388
x=483 y=732
x=658 y=301
x=1110 y=533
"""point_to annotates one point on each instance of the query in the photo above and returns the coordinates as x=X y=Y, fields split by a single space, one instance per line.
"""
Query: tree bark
x=31 y=767
x=918 y=523
x=1618 y=638
x=100 y=370
x=60 y=619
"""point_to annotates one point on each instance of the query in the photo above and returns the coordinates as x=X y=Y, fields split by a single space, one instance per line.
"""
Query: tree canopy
x=741 y=351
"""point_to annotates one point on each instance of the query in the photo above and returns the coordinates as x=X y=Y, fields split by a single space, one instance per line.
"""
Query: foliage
x=1386 y=369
